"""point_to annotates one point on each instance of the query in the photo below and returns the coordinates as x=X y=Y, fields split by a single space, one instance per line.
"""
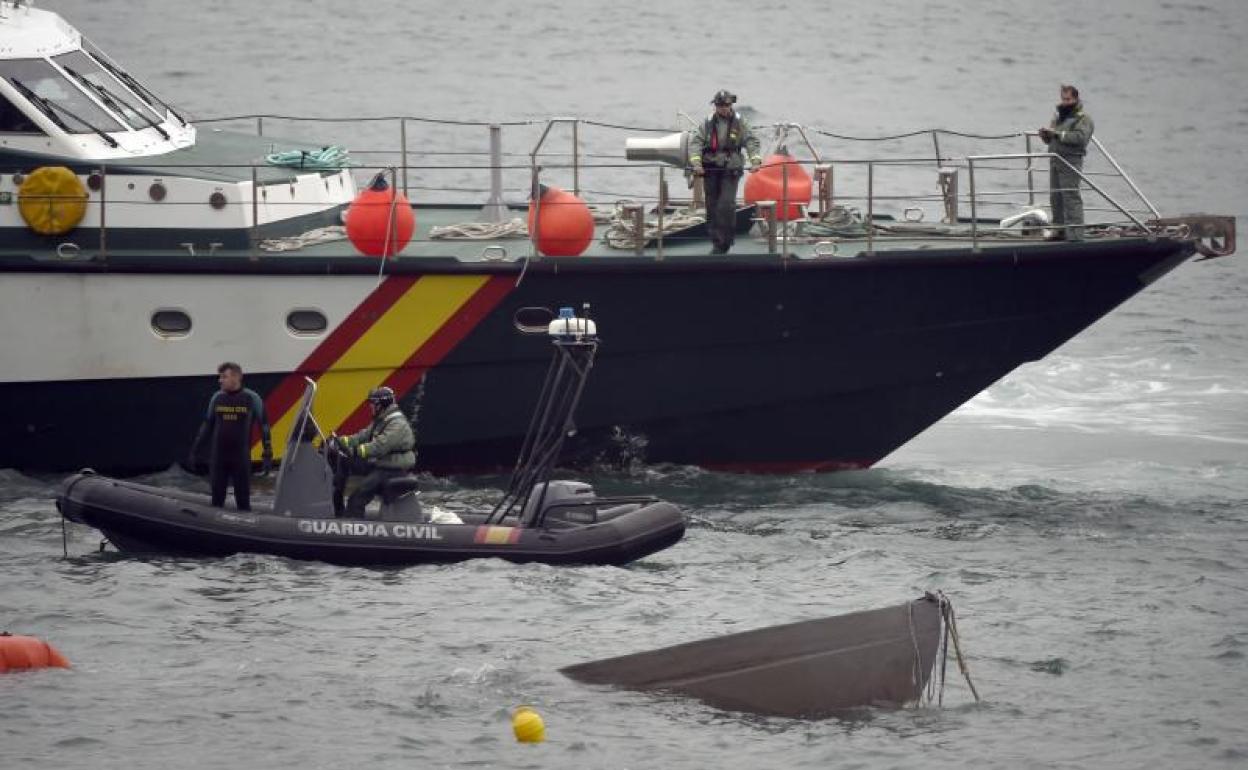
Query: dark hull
x=745 y=363
x=809 y=669
x=138 y=518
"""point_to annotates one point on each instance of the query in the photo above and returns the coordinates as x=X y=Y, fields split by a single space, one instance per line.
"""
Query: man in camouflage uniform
x=382 y=451
x=715 y=155
x=1067 y=136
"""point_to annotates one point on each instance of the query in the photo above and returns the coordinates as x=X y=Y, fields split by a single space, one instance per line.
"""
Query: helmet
x=724 y=97
x=381 y=397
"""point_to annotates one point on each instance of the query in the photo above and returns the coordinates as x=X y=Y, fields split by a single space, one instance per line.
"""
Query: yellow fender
x=52 y=200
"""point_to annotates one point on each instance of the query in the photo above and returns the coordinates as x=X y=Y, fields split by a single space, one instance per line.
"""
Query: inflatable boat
x=137 y=518
x=537 y=520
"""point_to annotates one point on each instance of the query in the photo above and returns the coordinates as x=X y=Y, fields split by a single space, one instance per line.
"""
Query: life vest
x=732 y=142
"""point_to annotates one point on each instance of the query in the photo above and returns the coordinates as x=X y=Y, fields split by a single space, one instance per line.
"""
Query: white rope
x=481 y=231
x=311 y=237
x=622 y=233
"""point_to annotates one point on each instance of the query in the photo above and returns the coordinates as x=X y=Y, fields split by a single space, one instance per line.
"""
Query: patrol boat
x=866 y=296
x=537 y=519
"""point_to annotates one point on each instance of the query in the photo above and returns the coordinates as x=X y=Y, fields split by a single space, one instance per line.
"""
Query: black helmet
x=381 y=397
x=724 y=97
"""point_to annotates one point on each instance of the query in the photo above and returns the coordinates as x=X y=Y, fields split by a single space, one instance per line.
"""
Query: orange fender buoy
x=565 y=225
x=768 y=184
x=374 y=211
x=22 y=652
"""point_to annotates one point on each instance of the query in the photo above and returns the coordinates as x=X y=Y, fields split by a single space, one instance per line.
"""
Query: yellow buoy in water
x=527 y=725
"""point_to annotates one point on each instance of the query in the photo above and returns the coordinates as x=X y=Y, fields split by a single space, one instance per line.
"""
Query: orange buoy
x=768 y=184
x=21 y=652
x=564 y=226
x=380 y=221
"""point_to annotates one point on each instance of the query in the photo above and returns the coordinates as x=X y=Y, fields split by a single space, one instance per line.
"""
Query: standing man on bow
x=715 y=155
x=232 y=411
x=1067 y=136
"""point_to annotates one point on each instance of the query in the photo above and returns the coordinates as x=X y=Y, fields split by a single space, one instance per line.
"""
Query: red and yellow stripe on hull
x=492 y=535
x=406 y=326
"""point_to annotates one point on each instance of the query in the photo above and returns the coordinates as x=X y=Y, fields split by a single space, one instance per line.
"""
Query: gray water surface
x=1088 y=515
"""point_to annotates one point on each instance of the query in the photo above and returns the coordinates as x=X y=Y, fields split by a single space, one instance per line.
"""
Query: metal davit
x=575 y=343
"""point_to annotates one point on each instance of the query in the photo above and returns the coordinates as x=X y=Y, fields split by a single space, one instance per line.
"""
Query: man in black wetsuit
x=231 y=413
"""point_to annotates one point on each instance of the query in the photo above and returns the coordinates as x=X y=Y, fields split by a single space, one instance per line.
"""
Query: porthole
x=306 y=322
x=171 y=323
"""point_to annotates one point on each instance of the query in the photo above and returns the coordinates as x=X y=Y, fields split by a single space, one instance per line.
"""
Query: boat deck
x=690 y=243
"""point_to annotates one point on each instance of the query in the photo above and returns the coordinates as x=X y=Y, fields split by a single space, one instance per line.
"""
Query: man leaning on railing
x=1067 y=136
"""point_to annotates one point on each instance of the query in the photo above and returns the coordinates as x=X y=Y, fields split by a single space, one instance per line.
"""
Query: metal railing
x=834 y=172
x=1053 y=158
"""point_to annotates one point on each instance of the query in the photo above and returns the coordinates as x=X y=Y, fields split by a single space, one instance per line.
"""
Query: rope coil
x=333 y=156
x=481 y=231
x=622 y=231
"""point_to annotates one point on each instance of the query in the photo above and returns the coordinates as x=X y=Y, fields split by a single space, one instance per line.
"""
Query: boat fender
x=560 y=224
x=23 y=652
x=380 y=222
x=780 y=174
x=52 y=200
x=1029 y=218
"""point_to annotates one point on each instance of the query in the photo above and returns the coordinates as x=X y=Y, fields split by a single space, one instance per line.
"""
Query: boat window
x=62 y=101
x=306 y=322
x=107 y=89
x=171 y=323
x=161 y=108
x=14 y=121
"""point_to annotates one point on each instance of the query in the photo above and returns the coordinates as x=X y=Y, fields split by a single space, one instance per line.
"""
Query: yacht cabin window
x=14 y=121
x=62 y=101
x=116 y=71
x=107 y=89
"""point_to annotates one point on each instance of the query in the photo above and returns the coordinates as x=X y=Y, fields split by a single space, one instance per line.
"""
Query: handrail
x=782 y=131
x=1125 y=177
x=576 y=164
x=970 y=159
x=1052 y=156
x=1000 y=192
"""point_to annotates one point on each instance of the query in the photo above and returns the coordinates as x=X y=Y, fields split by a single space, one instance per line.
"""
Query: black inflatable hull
x=137 y=518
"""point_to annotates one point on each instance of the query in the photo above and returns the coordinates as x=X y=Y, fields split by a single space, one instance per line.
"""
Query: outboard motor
x=552 y=495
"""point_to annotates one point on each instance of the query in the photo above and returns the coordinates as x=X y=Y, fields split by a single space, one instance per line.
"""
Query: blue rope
x=333 y=156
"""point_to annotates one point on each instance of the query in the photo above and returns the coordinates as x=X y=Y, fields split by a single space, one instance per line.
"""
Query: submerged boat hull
x=748 y=363
x=810 y=669
x=138 y=518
